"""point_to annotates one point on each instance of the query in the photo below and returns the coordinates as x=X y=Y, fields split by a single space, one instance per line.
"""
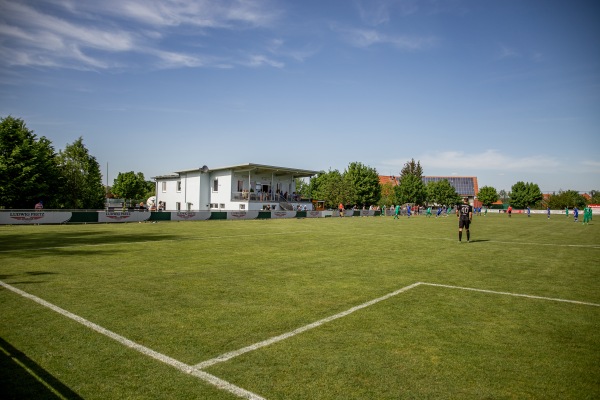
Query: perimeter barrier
x=38 y=217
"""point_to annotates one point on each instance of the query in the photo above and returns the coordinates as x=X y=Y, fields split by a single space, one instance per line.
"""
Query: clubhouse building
x=244 y=187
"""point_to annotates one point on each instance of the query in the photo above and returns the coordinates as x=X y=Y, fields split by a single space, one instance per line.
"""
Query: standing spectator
x=39 y=205
x=341 y=208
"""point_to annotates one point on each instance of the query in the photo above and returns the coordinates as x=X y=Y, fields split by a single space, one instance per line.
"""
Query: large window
x=164 y=187
x=215 y=185
x=179 y=186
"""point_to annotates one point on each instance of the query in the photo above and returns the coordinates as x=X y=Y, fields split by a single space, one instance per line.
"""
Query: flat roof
x=250 y=167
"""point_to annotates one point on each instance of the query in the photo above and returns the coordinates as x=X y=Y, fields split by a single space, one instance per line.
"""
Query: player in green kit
x=586 y=215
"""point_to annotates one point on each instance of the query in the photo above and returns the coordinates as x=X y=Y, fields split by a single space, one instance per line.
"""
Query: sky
x=505 y=90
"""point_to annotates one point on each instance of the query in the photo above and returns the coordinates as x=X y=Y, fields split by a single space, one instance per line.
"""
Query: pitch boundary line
x=197 y=369
x=232 y=354
x=275 y=339
x=206 y=377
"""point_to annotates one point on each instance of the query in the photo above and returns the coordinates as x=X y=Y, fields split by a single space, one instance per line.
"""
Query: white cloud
x=369 y=37
x=258 y=60
x=506 y=52
x=99 y=35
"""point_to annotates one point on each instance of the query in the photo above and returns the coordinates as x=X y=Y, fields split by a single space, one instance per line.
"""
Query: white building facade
x=245 y=187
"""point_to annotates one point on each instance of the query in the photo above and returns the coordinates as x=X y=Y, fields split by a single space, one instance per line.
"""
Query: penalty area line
x=206 y=377
x=528 y=296
x=228 y=356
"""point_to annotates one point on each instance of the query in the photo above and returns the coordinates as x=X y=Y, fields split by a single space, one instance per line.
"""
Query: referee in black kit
x=464 y=213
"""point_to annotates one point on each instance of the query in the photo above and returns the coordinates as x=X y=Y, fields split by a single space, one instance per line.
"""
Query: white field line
x=275 y=339
x=196 y=370
x=256 y=346
x=211 y=379
x=512 y=294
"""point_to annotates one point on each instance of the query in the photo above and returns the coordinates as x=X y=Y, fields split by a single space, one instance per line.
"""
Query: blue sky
x=503 y=90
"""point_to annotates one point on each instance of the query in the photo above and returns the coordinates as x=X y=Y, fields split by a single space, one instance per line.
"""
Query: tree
x=411 y=188
x=487 y=195
x=594 y=197
x=329 y=187
x=28 y=167
x=302 y=188
x=412 y=168
x=567 y=198
x=362 y=184
x=82 y=179
x=442 y=193
x=525 y=194
x=130 y=185
x=388 y=196
x=504 y=196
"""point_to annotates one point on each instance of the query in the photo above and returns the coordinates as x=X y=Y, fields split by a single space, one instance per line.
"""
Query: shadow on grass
x=44 y=241
x=22 y=378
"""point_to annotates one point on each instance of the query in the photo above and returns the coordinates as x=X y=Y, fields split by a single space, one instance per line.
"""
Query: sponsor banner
x=242 y=214
x=313 y=214
x=190 y=215
x=33 y=217
x=283 y=214
x=367 y=213
x=123 y=216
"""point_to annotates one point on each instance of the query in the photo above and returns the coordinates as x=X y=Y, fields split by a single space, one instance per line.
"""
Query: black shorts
x=463 y=223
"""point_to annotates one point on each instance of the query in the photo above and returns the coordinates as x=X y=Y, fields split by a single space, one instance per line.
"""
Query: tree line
x=31 y=170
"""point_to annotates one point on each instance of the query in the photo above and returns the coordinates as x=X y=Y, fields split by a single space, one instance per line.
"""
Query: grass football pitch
x=334 y=308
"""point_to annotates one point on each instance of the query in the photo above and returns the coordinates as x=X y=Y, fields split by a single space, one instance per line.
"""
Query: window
x=240 y=186
x=214 y=205
x=222 y=206
x=189 y=206
x=179 y=186
x=164 y=187
x=178 y=206
x=215 y=185
x=242 y=206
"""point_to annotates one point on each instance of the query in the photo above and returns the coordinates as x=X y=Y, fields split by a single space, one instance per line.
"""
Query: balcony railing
x=252 y=196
